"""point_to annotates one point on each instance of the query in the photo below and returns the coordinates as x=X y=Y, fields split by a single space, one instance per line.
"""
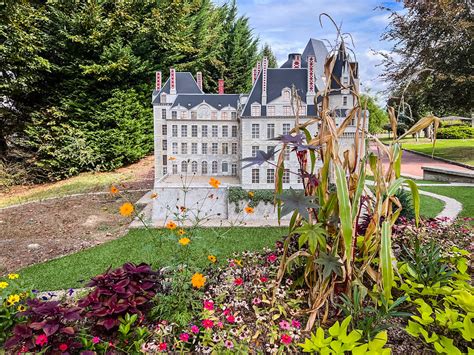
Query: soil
x=40 y=231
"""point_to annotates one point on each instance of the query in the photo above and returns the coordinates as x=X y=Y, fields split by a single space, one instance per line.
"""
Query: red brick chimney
x=254 y=75
x=264 y=80
x=296 y=61
x=199 y=80
x=158 y=81
x=221 y=86
x=172 y=81
x=311 y=64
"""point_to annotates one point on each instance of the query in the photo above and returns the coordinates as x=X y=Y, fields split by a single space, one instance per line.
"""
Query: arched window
x=214 y=167
x=184 y=166
x=194 y=167
x=204 y=167
x=175 y=169
x=204 y=113
x=225 y=167
x=286 y=94
x=163 y=98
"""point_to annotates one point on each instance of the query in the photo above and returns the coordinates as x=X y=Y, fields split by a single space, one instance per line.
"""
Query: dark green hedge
x=455 y=132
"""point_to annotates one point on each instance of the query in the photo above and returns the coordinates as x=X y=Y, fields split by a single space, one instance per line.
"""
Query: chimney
x=311 y=64
x=258 y=68
x=221 y=86
x=172 y=81
x=296 y=64
x=199 y=80
x=158 y=81
x=264 y=80
x=254 y=75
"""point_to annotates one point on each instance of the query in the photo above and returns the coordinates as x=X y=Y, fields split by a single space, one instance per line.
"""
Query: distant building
x=208 y=134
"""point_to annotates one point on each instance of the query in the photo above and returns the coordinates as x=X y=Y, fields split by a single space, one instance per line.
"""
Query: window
x=184 y=115
x=174 y=115
x=184 y=148
x=255 y=176
x=194 y=131
x=233 y=115
x=204 y=167
x=184 y=166
x=299 y=179
x=302 y=111
x=215 y=131
x=234 y=170
x=270 y=176
x=345 y=80
x=286 y=176
x=223 y=115
x=213 y=115
x=255 y=110
x=163 y=113
x=286 y=95
x=225 y=167
x=165 y=170
x=255 y=149
x=193 y=115
x=194 y=148
x=164 y=144
x=269 y=149
x=204 y=113
x=255 y=130
x=175 y=147
x=225 y=148
x=214 y=167
x=234 y=148
x=204 y=131
x=286 y=128
x=344 y=101
x=164 y=130
x=270 y=130
x=204 y=148
x=174 y=130
x=165 y=159
x=234 y=131
x=225 y=131
x=286 y=155
x=214 y=148
x=184 y=131
x=271 y=110
x=163 y=98
x=287 y=111
x=175 y=169
x=194 y=167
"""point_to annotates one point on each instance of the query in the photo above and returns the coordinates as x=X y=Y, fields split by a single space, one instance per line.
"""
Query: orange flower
x=248 y=209
x=171 y=225
x=184 y=241
x=171 y=158
x=251 y=194
x=198 y=280
x=181 y=232
x=113 y=190
x=126 y=209
x=214 y=183
x=153 y=195
x=211 y=258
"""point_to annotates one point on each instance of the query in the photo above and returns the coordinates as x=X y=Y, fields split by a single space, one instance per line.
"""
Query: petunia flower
x=41 y=340
x=95 y=340
x=209 y=305
x=295 y=324
x=207 y=323
x=286 y=339
x=284 y=325
x=184 y=336
x=272 y=258
x=195 y=329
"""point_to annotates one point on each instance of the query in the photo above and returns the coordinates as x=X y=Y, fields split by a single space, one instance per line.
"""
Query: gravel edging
x=440 y=159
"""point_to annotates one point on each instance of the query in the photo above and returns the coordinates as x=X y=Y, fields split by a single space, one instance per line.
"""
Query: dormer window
x=256 y=110
x=214 y=115
x=286 y=94
x=184 y=114
x=233 y=115
x=271 y=110
x=224 y=115
x=163 y=98
x=345 y=80
x=302 y=111
x=204 y=112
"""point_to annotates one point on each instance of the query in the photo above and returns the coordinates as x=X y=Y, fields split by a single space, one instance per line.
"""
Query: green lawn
x=430 y=207
x=465 y=195
x=139 y=246
x=460 y=150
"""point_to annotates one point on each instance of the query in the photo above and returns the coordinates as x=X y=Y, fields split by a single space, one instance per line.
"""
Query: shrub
x=455 y=132
x=127 y=289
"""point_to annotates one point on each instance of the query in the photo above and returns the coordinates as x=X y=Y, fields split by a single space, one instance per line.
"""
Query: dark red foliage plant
x=127 y=289
x=48 y=324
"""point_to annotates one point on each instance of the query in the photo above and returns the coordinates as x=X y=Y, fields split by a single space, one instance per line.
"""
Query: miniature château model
x=201 y=134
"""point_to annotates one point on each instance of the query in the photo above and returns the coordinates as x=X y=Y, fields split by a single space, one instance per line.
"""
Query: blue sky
x=288 y=25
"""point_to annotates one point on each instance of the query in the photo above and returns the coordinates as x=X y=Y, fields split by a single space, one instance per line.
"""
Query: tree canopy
x=377 y=116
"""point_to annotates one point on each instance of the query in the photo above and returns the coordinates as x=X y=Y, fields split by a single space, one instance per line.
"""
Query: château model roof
x=185 y=84
x=218 y=101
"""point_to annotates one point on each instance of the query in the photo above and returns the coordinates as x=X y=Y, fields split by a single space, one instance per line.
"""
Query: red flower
x=286 y=339
x=163 y=346
x=63 y=347
x=263 y=279
x=184 y=337
x=195 y=329
x=41 y=340
x=226 y=312
x=230 y=319
x=238 y=281
x=209 y=305
x=271 y=258
x=207 y=323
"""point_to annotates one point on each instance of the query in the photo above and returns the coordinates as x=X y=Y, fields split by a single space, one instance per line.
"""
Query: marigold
x=113 y=190
x=12 y=299
x=248 y=209
x=184 y=241
x=181 y=232
x=153 y=195
x=13 y=276
x=214 y=183
x=211 y=258
x=251 y=194
x=171 y=225
x=3 y=284
x=126 y=209
x=198 y=280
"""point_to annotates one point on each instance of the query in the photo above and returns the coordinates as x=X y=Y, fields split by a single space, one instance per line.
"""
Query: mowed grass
x=460 y=150
x=465 y=195
x=139 y=246
x=430 y=207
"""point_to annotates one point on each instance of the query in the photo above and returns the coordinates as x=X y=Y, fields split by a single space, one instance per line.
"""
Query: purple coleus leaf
x=50 y=328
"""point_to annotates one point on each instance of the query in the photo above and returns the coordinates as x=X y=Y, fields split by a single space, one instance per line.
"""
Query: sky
x=288 y=25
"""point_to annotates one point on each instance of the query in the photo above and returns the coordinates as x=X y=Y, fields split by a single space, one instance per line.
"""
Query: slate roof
x=215 y=100
x=185 y=84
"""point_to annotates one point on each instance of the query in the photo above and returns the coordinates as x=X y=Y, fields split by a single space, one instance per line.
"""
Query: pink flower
x=220 y=325
x=41 y=340
x=271 y=258
x=263 y=279
x=195 y=329
x=207 y=323
x=95 y=340
x=63 y=347
x=226 y=312
x=184 y=336
x=231 y=263
x=295 y=323
x=230 y=318
x=229 y=344
x=209 y=305
x=286 y=339
x=163 y=346
x=284 y=325
x=238 y=281
x=256 y=301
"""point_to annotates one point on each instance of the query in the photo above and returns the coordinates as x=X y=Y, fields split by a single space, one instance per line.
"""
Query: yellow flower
x=153 y=195
x=211 y=258
x=113 y=190
x=214 y=183
x=13 y=276
x=184 y=241
x=21 y=308
x=248 y=209
x=3 y=284
x=251 y=194
x=198 y=280
x=126 y=209
x=171 y=225
x=238 y=262
x=181 y=232
x=12 y=299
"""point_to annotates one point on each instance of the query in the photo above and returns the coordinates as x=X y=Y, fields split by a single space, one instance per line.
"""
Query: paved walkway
x=412 y=163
